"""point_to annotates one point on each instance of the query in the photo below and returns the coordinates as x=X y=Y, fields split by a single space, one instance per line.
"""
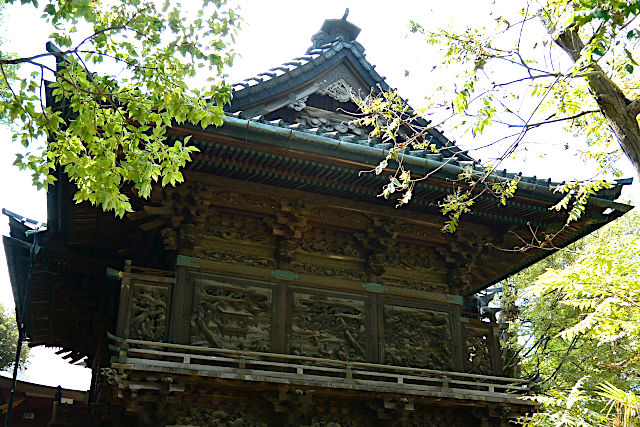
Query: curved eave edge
x=17 y=251
x=334 y=148
x=582 y=232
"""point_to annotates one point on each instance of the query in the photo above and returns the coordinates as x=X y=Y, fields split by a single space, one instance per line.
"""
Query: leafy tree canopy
x=571 y=62
x=9 y=340
x=574 y=322
x=123 y=75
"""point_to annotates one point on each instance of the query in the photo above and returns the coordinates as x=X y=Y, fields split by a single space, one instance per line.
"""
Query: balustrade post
x=349 y=374
x=445 y=381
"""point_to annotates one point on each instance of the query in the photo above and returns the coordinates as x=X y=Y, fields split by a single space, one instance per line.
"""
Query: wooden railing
x=302 y=370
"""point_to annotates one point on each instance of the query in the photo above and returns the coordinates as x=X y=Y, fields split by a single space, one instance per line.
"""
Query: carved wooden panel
x=231 y=316
x=223 y=415
x=328 y=326
x=479 y=350
x=150 y=305
x=417 y=337
x=326 y=242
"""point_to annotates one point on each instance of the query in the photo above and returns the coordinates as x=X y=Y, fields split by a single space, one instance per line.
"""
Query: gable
x=334 y=67
x=334 y=70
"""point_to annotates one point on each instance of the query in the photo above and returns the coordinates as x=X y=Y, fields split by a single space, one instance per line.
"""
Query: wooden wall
x=204 y=308
x=263 y=269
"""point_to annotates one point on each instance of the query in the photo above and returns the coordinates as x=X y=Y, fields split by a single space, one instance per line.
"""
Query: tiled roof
x=301 y=64
x=299 y=70
x=298 y=137
x=278 y=80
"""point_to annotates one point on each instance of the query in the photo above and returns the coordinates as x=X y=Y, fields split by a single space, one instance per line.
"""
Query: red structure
x=38 y=405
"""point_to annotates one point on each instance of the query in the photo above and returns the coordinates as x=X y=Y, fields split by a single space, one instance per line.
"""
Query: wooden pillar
x=279 y=315
x=124 y=304
x=181 y=302
x=459 y=344
x=376 y=327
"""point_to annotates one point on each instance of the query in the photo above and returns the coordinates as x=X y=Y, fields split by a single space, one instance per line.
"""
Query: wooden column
x=124 y=304
x=181 y=298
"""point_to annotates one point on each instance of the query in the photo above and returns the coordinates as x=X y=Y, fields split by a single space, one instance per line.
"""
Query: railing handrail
x=334 y=362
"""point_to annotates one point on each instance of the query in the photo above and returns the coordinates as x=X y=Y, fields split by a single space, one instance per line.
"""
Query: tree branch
x=561 y=119
x=634 y=107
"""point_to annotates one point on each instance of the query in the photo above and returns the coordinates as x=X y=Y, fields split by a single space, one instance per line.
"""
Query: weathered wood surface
x=304 y=370
x=281 y=316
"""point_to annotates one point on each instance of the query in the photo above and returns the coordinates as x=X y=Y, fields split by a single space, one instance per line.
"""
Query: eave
x=279 y=154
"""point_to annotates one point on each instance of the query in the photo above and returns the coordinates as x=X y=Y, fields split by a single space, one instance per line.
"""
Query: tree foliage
x=574 y=324
x=9 y=341
x=123 y=76
x=571 y=62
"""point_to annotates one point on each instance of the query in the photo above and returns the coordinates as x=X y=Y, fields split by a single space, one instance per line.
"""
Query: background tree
x=575 y=326
x=570 y=62
x=126 y=72
x=8 y=340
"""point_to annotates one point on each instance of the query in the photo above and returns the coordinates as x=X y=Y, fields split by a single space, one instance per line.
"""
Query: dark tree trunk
x=619 y=111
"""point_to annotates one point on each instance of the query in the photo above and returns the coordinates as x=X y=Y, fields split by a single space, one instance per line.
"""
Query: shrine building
x=273 y=287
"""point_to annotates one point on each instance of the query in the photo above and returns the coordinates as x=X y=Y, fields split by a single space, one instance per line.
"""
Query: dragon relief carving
x=233 y=258
x=328 y=271
x=328 y=327
x=231 y=317
x=235 y=228
x=222 y=416
x=417 y=338
x=326 y=242
x=478 y=354
x=149 y=313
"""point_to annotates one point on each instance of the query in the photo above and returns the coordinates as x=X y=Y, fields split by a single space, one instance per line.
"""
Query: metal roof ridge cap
x=606 y=203
x=311 y=138
x=428 y=164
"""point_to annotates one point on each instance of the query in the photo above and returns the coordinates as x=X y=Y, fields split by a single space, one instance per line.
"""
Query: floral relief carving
x=329 y=271
x=233 y=258
x=418 y=285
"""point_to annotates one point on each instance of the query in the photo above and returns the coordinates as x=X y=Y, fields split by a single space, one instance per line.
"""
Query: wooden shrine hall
x=273 y=288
